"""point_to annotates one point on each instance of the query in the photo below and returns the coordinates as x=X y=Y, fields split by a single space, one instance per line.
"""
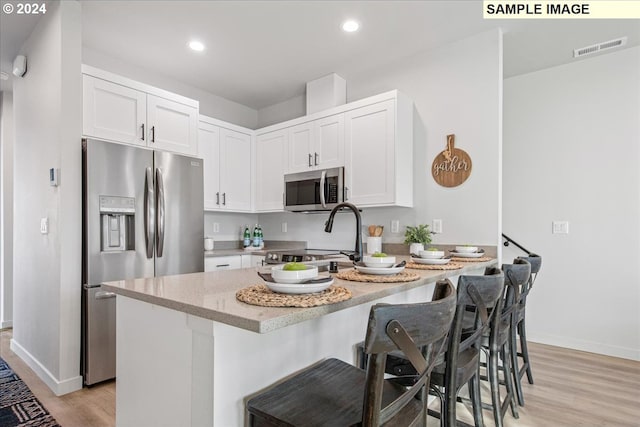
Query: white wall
x=210 y=104
x=6 y=209
x=456 y=89
x=48 y=125
x=230 y=225
x=571 y=152
x=282 y=111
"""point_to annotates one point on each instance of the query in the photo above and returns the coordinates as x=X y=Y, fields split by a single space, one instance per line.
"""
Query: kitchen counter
x=189 y=354
x=212 y=296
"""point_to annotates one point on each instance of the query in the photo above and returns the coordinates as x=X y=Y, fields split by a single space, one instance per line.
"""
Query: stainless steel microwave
x=317 y=190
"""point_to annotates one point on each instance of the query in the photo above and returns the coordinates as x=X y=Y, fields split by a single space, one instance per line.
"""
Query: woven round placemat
x=356 y=276
x=263 y=296
x=481 y=259
x=448 y=266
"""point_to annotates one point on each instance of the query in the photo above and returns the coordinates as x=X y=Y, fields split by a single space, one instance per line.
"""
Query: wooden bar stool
x=334 y=393
x=520 y=331
x=498 y=344
x=482 y=297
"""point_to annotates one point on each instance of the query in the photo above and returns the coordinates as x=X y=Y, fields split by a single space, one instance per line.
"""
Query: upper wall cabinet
x=120 y=110
x=271 y=163
x=317 y=144
x=227 y=166
x=379 y=153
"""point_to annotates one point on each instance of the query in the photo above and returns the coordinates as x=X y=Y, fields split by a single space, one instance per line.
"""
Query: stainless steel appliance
x=300 y=255
x=143 y=216
x=318 y=190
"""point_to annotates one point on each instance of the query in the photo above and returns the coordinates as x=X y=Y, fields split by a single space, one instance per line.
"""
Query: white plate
x=379 y=271
x=468 y=254
x=431 y=261
x=298 y=288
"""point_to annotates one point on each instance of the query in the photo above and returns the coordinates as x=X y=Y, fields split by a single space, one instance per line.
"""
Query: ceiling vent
x=589 y=50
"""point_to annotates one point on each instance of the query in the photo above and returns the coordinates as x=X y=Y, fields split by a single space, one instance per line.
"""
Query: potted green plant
x=417 y=237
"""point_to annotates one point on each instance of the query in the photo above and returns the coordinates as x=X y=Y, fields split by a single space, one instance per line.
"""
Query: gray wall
x=571 y=152
x=210 y=104
x=6 y=209
x=46 y=268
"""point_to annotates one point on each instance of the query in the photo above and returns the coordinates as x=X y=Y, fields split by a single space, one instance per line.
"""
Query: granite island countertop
x=212 y=295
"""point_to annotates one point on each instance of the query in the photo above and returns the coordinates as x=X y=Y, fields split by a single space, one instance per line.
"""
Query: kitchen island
x=190 y=354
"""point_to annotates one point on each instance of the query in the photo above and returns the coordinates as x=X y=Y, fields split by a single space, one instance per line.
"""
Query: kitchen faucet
x=357 y=254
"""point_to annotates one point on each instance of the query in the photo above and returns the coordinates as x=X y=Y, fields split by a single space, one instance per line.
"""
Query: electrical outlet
x=216 y=227
x=560 y=227
x=284 y=227
x=395 y=226
x=44 y=225
x=436 y=226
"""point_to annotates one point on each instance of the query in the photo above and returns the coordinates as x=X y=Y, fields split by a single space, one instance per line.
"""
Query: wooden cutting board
x=452 y=166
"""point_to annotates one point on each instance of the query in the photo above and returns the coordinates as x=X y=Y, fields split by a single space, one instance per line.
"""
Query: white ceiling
x=262 y=52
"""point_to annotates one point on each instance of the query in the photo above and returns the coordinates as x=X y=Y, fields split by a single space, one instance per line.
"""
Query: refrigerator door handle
x=161 y=212
x=104 y=295
x=149 y=212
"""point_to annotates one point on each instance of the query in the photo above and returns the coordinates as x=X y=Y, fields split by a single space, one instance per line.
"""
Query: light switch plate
x=395 y=226
x=436 y=226
x=284 y=227
x=560 y=227
x=44 y=225
x=216 y=227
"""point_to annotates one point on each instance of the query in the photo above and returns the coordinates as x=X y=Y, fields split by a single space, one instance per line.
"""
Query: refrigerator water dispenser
x=117 y=222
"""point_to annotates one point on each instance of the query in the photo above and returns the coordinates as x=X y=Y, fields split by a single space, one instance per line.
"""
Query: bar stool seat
x=333 y=393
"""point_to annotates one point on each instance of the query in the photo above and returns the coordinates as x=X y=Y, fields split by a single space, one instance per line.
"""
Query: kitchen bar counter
x=212 y=296
x=189 y=354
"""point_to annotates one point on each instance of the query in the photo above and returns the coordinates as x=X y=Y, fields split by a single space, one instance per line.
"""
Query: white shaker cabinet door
x=235 y=170
x=219 y=263
x=271 y=163
x=113 y=112
x=328 y=151
x=208 y=150
x=172 y=126
x=369 y=154
x=301 y=142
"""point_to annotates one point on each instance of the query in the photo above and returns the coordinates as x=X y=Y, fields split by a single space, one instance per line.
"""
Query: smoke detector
x=599 y=47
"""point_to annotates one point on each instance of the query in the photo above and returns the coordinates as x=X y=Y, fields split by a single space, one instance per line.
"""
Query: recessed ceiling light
x=196 y=45
x=350 y=26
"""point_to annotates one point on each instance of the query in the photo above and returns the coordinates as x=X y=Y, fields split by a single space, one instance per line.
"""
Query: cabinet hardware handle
x=310 y=160
x=218 y=198
x=316 y=158
x=224 y=199
x=153 y=134
x=143 y=131
x=222 y=265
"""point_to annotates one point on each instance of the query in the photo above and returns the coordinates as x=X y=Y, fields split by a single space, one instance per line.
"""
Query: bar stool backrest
x=516 y=279
x=419 y=332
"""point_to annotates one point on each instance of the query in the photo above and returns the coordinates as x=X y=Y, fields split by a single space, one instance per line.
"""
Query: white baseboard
x=583 y=345
x=6 y=324
x=58 y=387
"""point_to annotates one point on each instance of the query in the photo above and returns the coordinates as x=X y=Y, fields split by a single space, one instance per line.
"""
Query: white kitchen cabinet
x=317 y=144
x=249 y=261
x=227 y=167
x=271 y=162
x=113 y=112
x=218 y=263
x=118 y=109
x=379 y=153
x=171 y=126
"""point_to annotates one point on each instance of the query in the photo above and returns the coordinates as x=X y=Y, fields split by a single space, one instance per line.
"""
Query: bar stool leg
x=522 y=331
x=508 y=379
x=474 y=395
x=514 y=364
x=495 y=386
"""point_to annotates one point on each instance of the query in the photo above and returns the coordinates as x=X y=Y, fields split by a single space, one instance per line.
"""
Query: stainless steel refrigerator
x=143 y=216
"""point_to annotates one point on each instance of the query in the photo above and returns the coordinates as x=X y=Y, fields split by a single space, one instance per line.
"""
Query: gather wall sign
x=452 y=166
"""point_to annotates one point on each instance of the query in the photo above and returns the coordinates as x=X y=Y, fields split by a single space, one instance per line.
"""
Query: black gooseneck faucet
x=357 y=255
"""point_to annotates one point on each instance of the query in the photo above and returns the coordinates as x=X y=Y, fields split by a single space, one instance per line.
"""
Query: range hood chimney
x=326 y=92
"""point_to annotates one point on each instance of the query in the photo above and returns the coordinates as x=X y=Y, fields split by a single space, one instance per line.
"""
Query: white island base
x=176 y=369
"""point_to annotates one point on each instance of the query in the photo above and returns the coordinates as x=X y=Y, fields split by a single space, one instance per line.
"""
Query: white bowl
x=431 y=254
x=293 y=276
x=466 y=249
x=375 y=261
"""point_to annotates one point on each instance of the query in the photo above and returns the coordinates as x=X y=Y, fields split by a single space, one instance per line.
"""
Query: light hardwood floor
x=572 y=389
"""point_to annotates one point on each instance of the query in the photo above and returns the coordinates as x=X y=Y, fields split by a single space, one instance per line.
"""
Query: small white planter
x=415 y=248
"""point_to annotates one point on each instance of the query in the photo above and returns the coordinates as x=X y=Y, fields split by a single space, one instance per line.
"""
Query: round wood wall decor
x=452 y=166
